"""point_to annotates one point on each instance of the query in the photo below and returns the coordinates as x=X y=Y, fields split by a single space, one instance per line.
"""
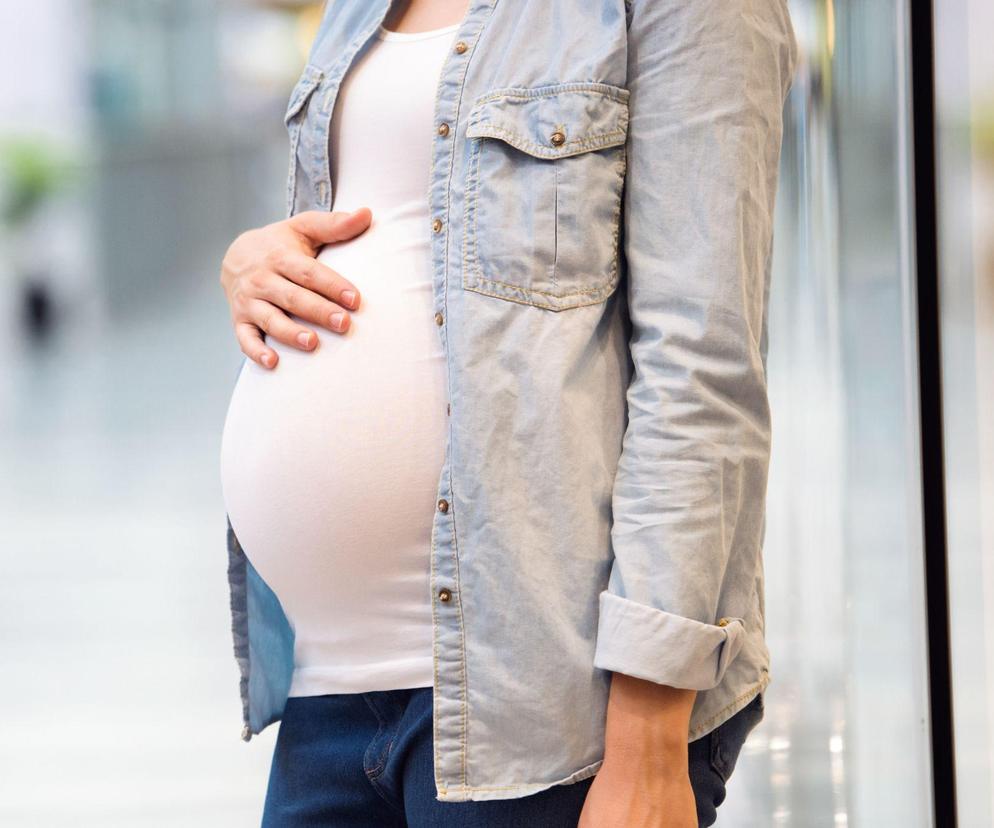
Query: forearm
x=647 y=723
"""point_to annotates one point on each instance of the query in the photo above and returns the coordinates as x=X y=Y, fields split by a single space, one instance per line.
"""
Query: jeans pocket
x=729 y=737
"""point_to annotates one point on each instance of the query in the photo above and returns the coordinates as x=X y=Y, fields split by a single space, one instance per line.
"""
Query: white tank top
x=330 y=462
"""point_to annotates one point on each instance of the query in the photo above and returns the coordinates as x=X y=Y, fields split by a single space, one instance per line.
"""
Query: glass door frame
x=933 y=477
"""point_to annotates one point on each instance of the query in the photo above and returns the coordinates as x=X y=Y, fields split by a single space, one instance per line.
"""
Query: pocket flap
x=307 y=83
x=553 y=121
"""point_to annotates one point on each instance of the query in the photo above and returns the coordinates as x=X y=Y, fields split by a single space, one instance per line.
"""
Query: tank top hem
x=386 y=675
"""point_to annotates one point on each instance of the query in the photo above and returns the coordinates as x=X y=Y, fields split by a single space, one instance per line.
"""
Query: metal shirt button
x=443 y=505
x=443 y=129
x=445 y=594
x=436 y=225
x=461 y=47
x=722 y=622
x=439 y=318
x=557 y=138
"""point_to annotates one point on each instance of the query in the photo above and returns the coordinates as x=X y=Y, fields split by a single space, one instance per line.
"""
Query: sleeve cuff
x=659 y=646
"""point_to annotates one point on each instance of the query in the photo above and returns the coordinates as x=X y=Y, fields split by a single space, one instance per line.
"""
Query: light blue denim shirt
x=601 y=198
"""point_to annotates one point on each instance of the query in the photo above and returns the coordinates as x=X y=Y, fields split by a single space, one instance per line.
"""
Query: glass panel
x=965 y=156
x=845 y=740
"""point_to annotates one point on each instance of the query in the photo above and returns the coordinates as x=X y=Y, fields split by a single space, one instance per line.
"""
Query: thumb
x=317 y=227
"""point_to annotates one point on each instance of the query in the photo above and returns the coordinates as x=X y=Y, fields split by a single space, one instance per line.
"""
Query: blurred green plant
x=32 y=170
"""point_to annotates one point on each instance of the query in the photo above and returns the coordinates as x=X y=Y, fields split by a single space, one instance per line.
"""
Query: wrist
x=642 y=761
x=647 y=723
x=649 y=746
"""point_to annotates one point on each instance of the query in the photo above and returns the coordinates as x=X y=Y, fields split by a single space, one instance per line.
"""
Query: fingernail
x=336 y=319
x=267 y=360
x=304 y=339
x=349 y=297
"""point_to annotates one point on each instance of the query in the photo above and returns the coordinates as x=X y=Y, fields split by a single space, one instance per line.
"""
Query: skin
x=268 y=271
x=271 y=270
x=644 y=781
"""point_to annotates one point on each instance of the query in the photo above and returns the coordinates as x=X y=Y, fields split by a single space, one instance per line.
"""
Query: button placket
x=449 y=632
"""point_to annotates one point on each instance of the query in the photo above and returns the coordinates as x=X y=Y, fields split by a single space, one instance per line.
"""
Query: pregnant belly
x=330 y=462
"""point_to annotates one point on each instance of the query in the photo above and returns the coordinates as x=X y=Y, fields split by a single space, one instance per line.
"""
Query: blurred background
x=139 y=137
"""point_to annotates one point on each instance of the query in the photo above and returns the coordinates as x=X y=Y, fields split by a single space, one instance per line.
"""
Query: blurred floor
x=120 y=686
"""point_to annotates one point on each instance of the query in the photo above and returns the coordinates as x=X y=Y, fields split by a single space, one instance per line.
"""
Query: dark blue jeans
x=365 y=759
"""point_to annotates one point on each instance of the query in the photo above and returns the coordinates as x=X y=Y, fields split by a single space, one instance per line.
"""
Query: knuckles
x=275 y=258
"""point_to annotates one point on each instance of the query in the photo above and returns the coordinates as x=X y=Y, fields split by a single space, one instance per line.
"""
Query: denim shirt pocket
x=543 y=192
x=309 y=80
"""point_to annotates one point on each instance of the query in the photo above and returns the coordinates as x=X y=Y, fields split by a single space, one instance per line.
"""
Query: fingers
x=309 y=285
x=273 y=281
x=280 y=326
x=272 y=322
x=252 y=345
x=317 y=227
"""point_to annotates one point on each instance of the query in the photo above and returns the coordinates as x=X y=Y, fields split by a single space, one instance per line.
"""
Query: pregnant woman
x=436 y=459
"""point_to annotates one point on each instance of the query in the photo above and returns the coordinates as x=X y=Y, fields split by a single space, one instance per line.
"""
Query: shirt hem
x=730 y=709
x=480 y=793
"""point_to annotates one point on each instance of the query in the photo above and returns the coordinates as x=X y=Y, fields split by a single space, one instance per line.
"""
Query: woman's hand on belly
x=270 y=271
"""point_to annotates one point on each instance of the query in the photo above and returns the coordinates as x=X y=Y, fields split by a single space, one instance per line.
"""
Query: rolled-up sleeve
x=708 y=82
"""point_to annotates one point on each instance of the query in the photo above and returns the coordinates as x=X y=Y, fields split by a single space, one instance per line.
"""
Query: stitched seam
x=555 y=229
x=335 y=80
x=433 y=576
x=291 y=181
x=474 y=258
x=384 y=795
x=578 y=291
x=532 y=304
x=584 y=144
x=471 y=259
x=462 y=649
x=616 y=93
x=434 y=643
x=522 y=786
x=472 y=40
x=309 y=81
x=761 y=684
x=380 y=725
